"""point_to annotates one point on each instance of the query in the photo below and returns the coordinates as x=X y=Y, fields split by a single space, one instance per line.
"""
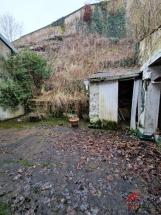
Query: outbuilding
x=114 y=96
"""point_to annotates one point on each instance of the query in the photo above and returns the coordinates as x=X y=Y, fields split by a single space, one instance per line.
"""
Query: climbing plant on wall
x=99 y=21
x=103 y=21
x=116 y=24
x=87 y=16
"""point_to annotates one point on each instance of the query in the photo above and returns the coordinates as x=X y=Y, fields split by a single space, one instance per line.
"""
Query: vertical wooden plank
x=108 y=101
x=152 y=109
x=140 y=99
x=136 y=91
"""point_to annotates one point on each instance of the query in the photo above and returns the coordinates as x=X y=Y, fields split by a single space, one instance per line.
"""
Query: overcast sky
x=35 y=14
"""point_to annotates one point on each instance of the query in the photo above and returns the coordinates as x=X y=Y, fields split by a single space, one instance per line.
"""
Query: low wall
x=9 y=113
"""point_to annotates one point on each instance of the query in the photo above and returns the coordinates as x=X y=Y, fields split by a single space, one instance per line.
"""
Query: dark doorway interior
x=125 y=100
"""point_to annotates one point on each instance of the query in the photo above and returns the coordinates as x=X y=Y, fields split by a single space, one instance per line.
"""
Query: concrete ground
x=60 y=170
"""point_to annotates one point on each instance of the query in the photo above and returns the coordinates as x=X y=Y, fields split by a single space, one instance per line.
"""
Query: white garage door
x=108 y=101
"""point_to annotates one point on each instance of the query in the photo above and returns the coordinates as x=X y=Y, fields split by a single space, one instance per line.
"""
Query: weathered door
x=108 y=101
x=136 y=91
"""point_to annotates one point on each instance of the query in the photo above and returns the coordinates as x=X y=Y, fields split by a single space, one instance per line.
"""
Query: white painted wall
x=108 y=101
x=9 y=113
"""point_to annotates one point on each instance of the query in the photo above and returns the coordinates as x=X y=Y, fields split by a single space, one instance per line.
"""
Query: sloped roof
x=116 y=74
x=4 y=40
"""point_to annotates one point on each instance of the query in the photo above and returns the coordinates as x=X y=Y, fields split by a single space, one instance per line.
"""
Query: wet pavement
x=59 y=170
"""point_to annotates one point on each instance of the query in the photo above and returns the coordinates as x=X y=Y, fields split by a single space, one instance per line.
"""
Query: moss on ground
x=159 y=147
x=25 y=163
x=15 y=123
x=4 y=209
x=104 y=124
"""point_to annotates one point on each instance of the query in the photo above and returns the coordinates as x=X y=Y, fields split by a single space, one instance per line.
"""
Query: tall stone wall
x=149 y=46
x=38 y=36
x=114 y=20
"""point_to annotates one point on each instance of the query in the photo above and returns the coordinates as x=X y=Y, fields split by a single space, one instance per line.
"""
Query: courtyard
x=48 y=169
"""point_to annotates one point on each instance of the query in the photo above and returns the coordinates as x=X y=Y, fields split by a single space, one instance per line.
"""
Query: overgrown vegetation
x=100 y=43
x=76 y=59
x=22 y=78
x=105 y=124
x=25 y=123
x=144 y=17
x=104 y=21
x=4 y=209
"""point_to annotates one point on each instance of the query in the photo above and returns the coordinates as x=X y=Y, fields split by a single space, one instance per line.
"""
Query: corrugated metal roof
x=7 y=43
x=116 y=74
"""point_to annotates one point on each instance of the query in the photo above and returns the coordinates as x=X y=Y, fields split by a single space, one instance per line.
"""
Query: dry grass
x=75 y=60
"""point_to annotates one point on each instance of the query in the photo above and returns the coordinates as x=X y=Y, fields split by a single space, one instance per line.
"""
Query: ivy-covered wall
x=116 y=24
x=105 y=22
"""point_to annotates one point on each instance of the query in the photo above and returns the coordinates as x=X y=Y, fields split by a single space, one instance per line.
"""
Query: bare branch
x=9 y=27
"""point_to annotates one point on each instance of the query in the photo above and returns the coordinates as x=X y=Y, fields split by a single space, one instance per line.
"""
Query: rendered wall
x=9 y=113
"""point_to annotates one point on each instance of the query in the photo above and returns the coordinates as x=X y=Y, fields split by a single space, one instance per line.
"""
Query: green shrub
x=26 y=73
x=10 y=94
x=4 y=209
x=104 y=124
x=109 y=125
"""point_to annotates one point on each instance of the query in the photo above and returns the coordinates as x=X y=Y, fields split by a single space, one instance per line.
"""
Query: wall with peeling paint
x=11 y=113
x=94 y=102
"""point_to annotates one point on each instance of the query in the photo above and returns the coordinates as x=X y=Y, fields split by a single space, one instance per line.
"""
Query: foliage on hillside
x=104 y=20
x=22 y=78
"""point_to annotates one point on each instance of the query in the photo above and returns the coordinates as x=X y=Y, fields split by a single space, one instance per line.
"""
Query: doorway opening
x=125 y=101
